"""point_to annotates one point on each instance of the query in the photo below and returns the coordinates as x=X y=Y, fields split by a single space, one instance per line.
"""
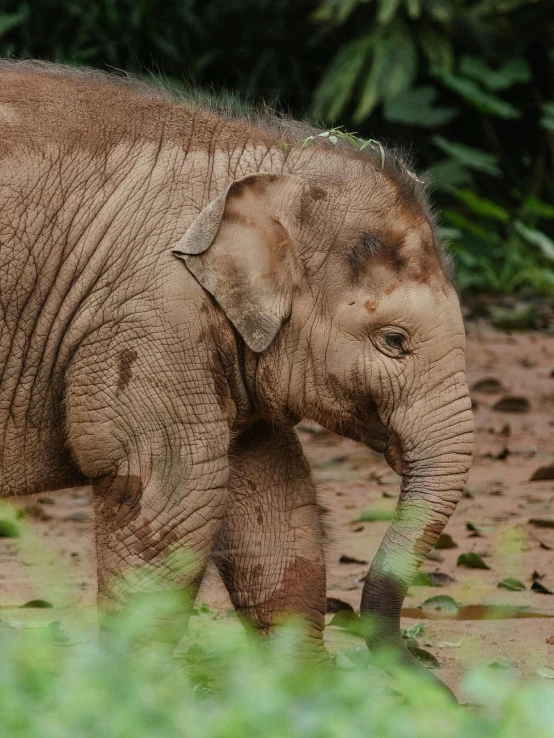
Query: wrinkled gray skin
x=177 y=291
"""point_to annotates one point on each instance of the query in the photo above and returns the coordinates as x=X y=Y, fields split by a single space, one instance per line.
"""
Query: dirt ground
x=500 y=502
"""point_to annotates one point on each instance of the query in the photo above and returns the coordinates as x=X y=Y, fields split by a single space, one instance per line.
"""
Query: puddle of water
x=473 y=612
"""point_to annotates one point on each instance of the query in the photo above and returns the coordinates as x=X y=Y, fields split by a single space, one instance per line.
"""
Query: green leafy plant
x=514 y=585
x=338 y=134
x=224 y=683
x=483 y=123
x=472 y=561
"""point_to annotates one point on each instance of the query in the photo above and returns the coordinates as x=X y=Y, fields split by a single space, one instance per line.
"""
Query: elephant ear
x=240 y=250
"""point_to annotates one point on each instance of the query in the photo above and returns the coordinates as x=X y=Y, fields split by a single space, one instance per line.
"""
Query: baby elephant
x=178 y=289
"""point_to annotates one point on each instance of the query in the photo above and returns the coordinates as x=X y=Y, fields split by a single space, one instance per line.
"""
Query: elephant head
x=338 y=287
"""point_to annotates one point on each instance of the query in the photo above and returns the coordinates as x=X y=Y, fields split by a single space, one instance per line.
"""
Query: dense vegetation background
x=468 y=85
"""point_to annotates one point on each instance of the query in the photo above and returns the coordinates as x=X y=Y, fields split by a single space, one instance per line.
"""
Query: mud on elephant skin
x=179 y=287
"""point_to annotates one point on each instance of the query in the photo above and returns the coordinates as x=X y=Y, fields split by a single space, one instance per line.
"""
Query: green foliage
x=416 y=107
x=337 y=134
x=478 y=71
x=243 y=46
x=472 y=561
x=474 y=94
x=514 y=585
x=224 y=683
x=441 y=603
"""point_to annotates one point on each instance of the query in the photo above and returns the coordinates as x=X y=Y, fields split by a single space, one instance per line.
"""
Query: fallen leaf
x=536 y=503
x=432 y=579
x=503 y=455
x=413 y=631
x=545 y=673
x=472 y=561
x=440 y=579
x=440 y=603
x=528 y=363
x=542 y=522
x=502 y=663
x=514 y=585
x=424 y=657
x=78 y=517
x=445 y=541
x=344 y=619
x=479 y=530
x=542 y=473
x=540 y=588
x=336 y=605
x=38 y=604
x=374 y=516
x=488 y=385
x=344 y=559
x=512 y=404
x=349 y=621
x=474 y=529
x=421 y=579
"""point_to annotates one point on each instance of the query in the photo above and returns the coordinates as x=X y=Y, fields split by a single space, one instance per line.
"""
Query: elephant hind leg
x=270 y=551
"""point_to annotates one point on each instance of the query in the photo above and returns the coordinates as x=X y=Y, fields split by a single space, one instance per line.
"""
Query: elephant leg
x=159 y=482
x=154 y=534
x=270 y=551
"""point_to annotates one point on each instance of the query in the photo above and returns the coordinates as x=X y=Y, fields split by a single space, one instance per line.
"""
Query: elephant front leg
x=155 y=530
x=147 y=429
x=270 y=551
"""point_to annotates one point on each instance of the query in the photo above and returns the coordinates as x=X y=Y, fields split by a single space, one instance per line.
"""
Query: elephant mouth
x=370 y=430
x=376 y=444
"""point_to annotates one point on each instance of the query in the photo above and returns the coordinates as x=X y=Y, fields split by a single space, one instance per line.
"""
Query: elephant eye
x=397 y=342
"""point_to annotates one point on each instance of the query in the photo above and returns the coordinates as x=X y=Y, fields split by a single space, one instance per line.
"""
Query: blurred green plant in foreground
x=225 y=683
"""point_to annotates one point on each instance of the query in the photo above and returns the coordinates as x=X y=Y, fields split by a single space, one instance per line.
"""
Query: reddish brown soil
x=500 y=499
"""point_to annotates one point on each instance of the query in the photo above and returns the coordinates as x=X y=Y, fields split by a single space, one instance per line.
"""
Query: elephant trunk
x=434 y=471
